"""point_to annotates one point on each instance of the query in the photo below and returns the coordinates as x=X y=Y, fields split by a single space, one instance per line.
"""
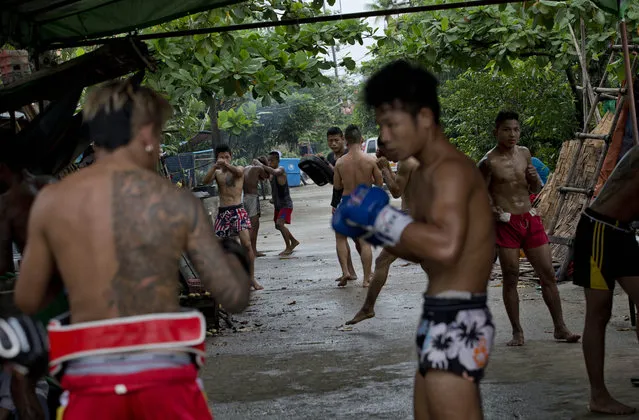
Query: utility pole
x=333 y=46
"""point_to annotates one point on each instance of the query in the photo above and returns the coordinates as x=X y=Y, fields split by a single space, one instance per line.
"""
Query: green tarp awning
x=41 y=23
x=617 y=7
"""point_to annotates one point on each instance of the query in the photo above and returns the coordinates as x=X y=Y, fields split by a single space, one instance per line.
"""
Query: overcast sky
x=356 y=52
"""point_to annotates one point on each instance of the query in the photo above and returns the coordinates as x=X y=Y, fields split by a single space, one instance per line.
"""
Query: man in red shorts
x=511 y=178
x=115 y=232
x=281 y=200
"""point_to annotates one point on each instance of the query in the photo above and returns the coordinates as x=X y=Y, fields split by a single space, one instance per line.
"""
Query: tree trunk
x=213 y=104
x=579 y=110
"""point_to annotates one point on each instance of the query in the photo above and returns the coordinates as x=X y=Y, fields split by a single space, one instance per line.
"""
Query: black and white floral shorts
x=455 y=335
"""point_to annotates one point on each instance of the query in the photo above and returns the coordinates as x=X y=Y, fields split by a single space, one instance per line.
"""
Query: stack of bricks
x=14 y=65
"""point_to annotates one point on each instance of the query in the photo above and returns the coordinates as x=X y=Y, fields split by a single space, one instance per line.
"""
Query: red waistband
x=133 y=381
x=184 y=331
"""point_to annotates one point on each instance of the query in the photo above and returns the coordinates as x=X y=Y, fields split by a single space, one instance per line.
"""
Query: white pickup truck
x=370 y=146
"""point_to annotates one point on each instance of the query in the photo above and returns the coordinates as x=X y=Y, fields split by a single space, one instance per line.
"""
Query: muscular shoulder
x=523 y=150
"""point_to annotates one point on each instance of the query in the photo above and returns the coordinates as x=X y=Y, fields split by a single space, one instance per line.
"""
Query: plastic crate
x=14 y=65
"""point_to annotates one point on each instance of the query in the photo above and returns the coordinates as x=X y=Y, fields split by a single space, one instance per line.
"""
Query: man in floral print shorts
x=449 y=230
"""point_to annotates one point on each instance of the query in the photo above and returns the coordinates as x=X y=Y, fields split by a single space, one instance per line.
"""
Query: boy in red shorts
x=281 y=200
x=511 y=178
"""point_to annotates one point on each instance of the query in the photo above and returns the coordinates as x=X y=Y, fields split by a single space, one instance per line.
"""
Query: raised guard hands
x=367 y=214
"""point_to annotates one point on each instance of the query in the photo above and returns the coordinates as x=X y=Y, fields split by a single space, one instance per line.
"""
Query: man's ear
x=147 y=136
x=426 y=118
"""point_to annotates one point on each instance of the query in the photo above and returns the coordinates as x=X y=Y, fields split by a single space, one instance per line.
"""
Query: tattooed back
x=116 y=234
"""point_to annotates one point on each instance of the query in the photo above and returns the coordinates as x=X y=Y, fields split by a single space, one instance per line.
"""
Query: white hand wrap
x=390 y=223
x=504 y=217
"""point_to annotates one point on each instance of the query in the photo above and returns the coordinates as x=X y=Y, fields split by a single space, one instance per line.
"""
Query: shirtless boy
x=253 y=174
x=232 y=219
x=605 y=252
x=511 y=178
x=281 y=200
x=115 y=231
x=446 y=231
x=398 y=185
x=335 y=140
x=353 y=169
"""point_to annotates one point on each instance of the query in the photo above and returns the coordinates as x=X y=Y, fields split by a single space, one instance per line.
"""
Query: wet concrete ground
x=291 y=356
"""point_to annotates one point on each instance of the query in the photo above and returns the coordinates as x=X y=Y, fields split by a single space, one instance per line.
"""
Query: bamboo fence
x=584 y=177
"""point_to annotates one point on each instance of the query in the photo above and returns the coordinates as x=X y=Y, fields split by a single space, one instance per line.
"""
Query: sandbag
x=317 y=169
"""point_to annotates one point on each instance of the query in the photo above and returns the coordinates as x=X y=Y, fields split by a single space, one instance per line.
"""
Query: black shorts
x=455 y=335
x=604 y=250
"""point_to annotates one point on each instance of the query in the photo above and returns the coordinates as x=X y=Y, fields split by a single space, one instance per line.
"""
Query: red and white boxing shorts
x=139 y=367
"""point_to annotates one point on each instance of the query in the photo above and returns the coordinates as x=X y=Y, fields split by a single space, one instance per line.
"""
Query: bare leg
x=349 y=261
x=291 y=242
x=382 y=265
x=351 y=269
x=444 y=395
x=598 y=310
x=255 y=229
x=366 y=254
x=541 y=260
x=509 y=262
x=287 y=241
x=245 y=241
x=342 y=252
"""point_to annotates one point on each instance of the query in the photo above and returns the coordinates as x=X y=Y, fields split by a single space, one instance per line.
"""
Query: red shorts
x=284 y=213
x=172 y=393
x=522 y=231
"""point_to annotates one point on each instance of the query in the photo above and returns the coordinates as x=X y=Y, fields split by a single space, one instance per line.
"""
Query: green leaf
x=349 y=63
x=444 y=23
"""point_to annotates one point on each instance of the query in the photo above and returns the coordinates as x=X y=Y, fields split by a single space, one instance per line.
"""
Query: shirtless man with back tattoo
x=232 y=219
x=115 y=231
x=446 y=231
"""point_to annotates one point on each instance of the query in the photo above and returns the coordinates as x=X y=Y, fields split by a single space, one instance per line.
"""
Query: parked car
x=370 y=146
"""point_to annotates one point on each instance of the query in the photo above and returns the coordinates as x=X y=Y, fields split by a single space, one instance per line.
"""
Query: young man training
x=253 y=174
x=281 y=201
x=232 y=219
x=115 y=231
x=351 y=170
x=511 y=178
x=398 y=185
x=335 y=140
x=447 y=231
x=605 y=252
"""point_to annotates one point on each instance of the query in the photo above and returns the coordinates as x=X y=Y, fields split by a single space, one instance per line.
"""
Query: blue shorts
x=344 y=199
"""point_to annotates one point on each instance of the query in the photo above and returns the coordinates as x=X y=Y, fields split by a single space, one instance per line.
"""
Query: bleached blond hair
x=147 y=105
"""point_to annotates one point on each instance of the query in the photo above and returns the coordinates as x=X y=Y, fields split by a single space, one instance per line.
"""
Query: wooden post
x=586 y=81
x=629 y=80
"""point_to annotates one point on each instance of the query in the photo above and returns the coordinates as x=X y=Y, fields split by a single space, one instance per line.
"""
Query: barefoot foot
x=360 y=316
x=286 y=252
x=567 y=336
x=294 y=244
x=259 y=254
x=256 y=286
x=342 y=281
x=517 y=341
x=366 y=284
x=609 y=405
